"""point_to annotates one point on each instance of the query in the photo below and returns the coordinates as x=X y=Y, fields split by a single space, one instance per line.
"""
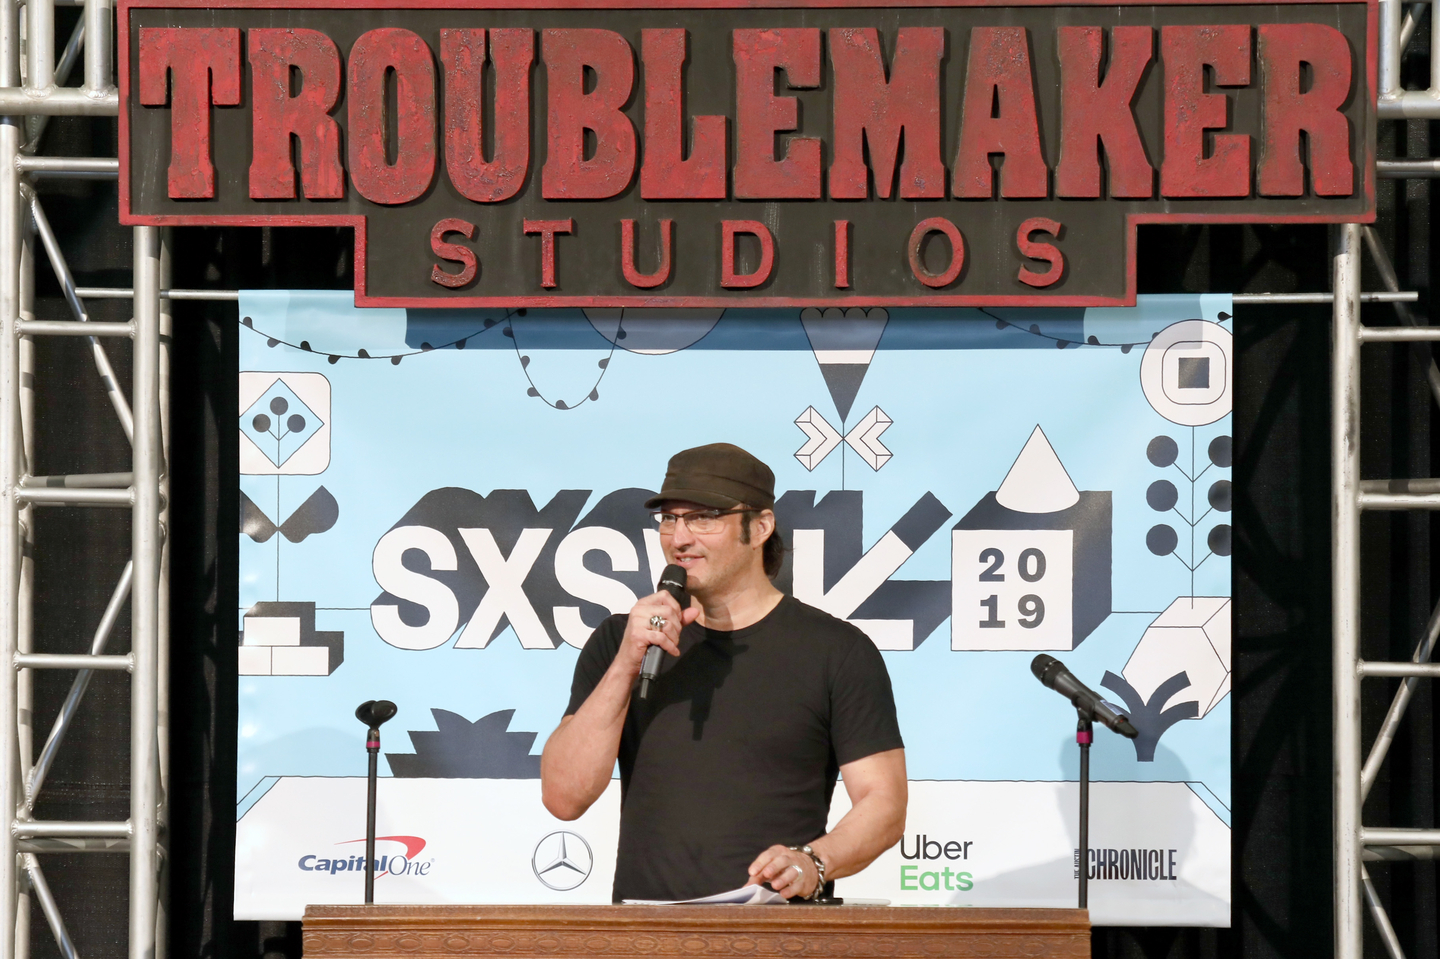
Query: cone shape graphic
x=1037 y=482
x=844 y=343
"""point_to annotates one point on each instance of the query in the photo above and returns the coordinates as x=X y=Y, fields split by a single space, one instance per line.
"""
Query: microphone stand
x=373 y=713
x=372 y=746
x=1084 y=735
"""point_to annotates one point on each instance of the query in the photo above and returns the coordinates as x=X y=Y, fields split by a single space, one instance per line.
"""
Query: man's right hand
x=641 y=634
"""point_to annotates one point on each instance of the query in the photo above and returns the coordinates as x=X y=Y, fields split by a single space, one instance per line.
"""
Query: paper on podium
x=744 y=896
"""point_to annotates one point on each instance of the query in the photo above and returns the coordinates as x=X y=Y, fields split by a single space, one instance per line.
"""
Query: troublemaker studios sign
x=746 y=153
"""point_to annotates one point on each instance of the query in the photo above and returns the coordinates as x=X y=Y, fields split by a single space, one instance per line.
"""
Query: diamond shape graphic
x=279 y=423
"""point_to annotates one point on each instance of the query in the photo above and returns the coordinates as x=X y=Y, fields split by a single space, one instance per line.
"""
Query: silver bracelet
x=819 y=868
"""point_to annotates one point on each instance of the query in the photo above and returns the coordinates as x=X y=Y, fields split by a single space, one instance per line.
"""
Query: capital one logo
x=562 y=860
x=389 y=863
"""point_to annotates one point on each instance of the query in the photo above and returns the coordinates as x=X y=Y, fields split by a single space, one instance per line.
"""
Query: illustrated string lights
x=458 y=343
x=1062 y=342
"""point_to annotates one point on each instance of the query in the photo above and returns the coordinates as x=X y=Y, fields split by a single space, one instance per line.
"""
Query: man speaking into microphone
x=727 y=766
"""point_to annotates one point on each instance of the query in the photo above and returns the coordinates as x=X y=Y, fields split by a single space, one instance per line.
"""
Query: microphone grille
x=1040 y=664
x=674 y=575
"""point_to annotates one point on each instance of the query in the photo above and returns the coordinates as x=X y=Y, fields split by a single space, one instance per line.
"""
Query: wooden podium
x=703 y=932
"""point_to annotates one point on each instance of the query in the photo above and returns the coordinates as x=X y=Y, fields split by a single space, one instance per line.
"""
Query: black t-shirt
x=739 y=744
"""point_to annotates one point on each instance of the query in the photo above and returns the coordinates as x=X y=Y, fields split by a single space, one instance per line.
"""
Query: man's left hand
x=792 y=874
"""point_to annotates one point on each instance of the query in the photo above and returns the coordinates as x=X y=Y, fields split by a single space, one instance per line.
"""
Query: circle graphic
x=562 y=860
x=1162 y=451
x=1221 y=451
x=1162 y=495
x=1221 y=494
x=1185 y=372
x=652 y=330
x=1219 y=540
x=1162 y=540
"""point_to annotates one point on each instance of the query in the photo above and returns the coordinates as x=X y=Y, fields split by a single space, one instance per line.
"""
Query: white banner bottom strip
x=1159 y=856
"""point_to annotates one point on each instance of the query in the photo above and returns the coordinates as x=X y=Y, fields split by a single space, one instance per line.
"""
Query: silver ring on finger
x=657 y=622
x=798 y=868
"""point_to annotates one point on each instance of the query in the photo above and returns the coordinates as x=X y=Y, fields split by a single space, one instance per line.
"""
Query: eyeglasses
x=699 y=521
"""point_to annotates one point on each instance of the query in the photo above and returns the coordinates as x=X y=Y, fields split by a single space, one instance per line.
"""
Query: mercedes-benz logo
x=562 y=860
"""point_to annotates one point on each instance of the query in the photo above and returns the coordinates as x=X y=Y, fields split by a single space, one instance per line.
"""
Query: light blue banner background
x=964 y=389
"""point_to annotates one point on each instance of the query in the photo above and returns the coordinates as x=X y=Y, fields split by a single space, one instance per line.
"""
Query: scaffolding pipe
x=1411 y=21
x=11 y=215
x=47 y=906
x=48 y=845
x=124 y=662
x=100 y=166
x=1389 y=51
x=35 y=124
x=36 y=779
x=81 y=480
x=25 y=597
x=67 y=284
x=1407 y=169
x=63 y=496
x=1345 y=585
x=1403 y=313
x=1400 y=334
x=57 y=258
x=58 y=102
x=120 y=293
x=1393 y=670
x=162 y=616
x=145 y=548
x=1247 y=299
x=1381 y=746
x=1420 y=485
x=40 y=46
x=79 y=830
x=1393 y=836
x=1380 y=917
x=21 y=394
x=71 y=328
x=1394 y=501
x=97 y=19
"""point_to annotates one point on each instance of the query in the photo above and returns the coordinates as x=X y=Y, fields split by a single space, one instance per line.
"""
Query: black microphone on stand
x=373 y=713
x=1090 y=706
x=1053 y=673
x=672 y=581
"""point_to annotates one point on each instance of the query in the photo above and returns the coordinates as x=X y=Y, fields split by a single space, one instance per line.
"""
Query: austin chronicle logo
x=562 y=860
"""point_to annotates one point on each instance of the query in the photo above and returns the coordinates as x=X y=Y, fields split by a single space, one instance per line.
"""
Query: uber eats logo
x=941 y=875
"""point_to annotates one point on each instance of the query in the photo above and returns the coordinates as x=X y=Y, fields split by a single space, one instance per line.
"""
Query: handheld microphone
x=1053 y=673
x=672 y=581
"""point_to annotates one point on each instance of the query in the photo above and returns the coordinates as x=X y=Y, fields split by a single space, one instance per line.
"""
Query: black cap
x=720 y=475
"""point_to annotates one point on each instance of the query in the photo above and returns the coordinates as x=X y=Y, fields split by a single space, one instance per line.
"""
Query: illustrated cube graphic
x=1069 y=549
x=280 y=639
x=1192 y=636
x=1030 y=564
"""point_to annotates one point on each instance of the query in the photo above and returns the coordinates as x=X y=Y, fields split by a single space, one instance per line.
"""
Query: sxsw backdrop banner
x=437 y=506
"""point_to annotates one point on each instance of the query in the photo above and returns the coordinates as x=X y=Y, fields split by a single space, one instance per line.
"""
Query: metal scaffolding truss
x=1355 y=843
x=33 y=87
